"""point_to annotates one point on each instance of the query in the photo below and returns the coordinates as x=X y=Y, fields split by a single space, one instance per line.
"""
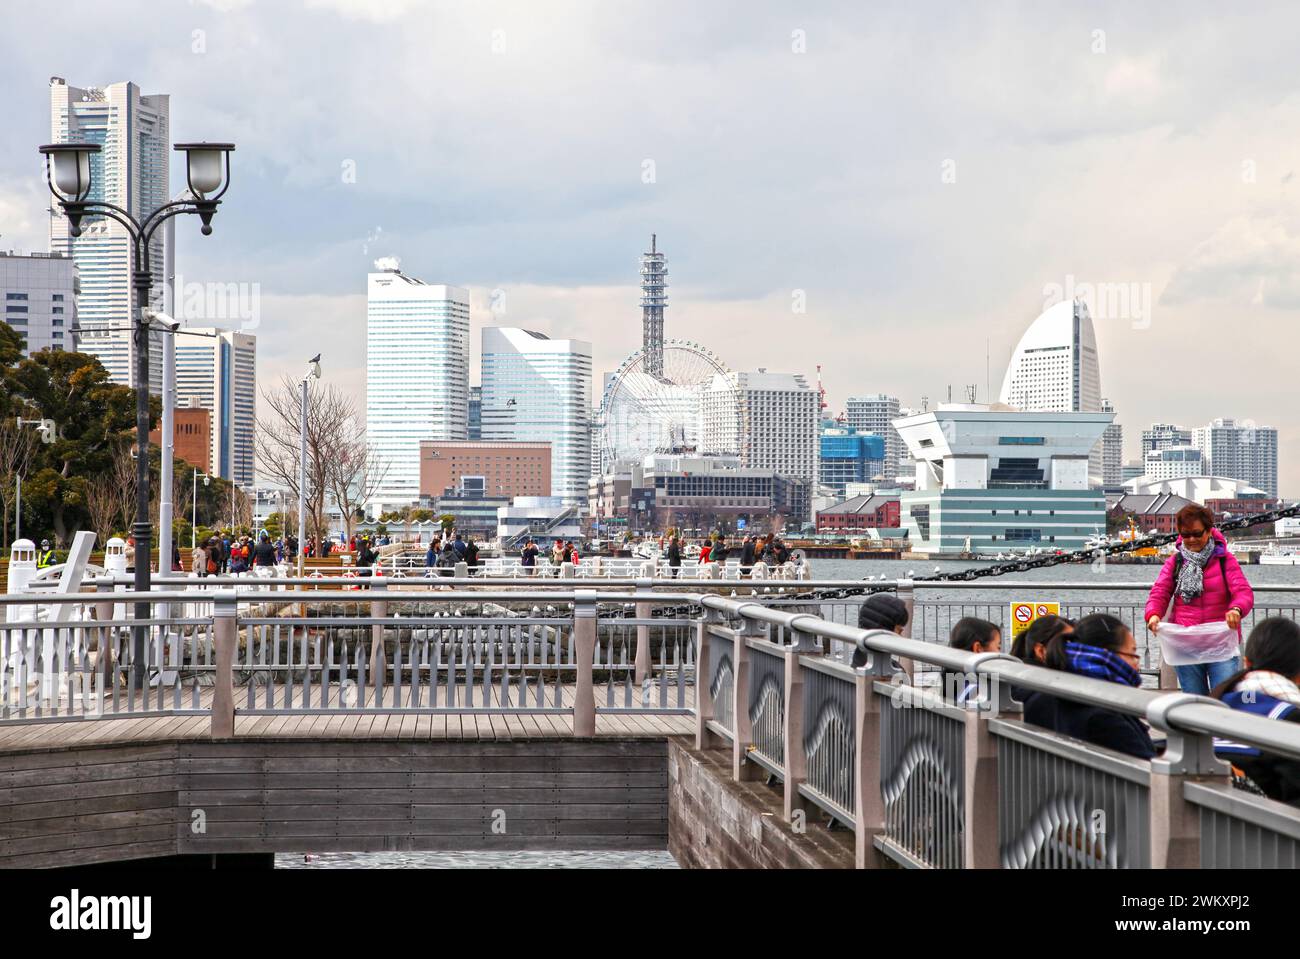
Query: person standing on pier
x=747 y=556
x=1201 y=583
x=674 y=557
x=529 y=558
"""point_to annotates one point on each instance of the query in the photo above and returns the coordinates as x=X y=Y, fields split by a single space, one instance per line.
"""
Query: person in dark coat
x=747 y=556
x=880 y=611
x=1269 y=686
x=1101 y=647
x=674 y=557
x=471 y=553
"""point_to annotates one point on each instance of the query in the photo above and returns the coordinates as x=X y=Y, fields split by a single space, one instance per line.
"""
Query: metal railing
x=922 y=781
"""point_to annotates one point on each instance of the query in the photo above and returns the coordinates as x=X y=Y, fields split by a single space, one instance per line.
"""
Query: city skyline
x=548 y=237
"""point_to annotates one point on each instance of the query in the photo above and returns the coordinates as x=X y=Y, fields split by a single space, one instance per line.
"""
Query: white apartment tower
x=876 y=414
x=417 y=374
x=1240 y=451
x=780 y=418
x=538 y=389
x=217 y=370
x=133 y=132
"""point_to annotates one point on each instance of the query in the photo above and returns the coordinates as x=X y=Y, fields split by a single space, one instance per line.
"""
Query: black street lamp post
x=207 y=172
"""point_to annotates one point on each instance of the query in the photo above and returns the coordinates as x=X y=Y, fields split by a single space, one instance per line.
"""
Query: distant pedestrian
x=45 y=555
x=199 y=562
x=674 y=556
x=264 y=553
x=528 y=558
x=747 y=556
x=471 y=554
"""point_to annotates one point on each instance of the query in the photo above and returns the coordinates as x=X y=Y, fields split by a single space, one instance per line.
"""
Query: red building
x=860 y=513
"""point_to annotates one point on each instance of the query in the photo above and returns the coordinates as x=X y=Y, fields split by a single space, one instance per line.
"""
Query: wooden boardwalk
x=354 y=725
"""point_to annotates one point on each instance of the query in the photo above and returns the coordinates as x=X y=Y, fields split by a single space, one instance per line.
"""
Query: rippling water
x=551 y=859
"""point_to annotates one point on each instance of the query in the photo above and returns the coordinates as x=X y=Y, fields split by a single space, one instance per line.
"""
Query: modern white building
x=538 y=389
x=38 y=294
x=133 y=132
x=780 y=422
x=1240 y=450
x=417 y=374
x=991 y=478
x=216 y=369
x=541 y=518
x=1199 y=489
x=876 y=414
x=1173 y=462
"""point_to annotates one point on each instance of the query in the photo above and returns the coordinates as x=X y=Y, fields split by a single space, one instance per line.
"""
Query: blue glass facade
x=849 y=458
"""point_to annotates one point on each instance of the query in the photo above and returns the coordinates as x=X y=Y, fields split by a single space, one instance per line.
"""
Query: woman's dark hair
x=882 y=611
x=1040 y=632
x=1193 y=512
x=1274 y=644
x=1100 y=630
x=970 y=630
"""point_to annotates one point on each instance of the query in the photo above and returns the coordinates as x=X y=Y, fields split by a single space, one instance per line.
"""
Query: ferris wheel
x=689 y=405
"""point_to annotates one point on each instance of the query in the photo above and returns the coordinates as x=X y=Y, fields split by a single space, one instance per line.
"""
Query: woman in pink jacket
x=1207 y=586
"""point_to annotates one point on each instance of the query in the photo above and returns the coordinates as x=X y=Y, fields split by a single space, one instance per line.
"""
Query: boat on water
x=1277 y=555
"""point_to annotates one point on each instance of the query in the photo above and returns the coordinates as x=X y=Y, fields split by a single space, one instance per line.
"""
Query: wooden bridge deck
x=352 y=725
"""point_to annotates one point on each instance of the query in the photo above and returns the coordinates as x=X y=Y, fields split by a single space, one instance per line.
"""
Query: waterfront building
x=131 y=171
x=538 y=390
x=1152 y=513
x=860 y=513
x=476 y=511
x=1240 y=450
x=417 y=374
x=543 y=518
x=1220 y=494
x=781 y=418
x=503 y=469
x=875 y=413
x=699 y=494
x=216 y=370
x=991 y=478
x=848 y=456
x=39 y=296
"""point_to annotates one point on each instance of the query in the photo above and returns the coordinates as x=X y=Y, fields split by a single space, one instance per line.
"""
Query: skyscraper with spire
x=654 y=297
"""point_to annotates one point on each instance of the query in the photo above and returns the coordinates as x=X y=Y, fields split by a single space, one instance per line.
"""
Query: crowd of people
x=1200 y=585
x=230 y=555
x=767 y=550
x=445 y=552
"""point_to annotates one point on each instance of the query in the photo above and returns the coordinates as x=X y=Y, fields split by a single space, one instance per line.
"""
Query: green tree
x=91 y=414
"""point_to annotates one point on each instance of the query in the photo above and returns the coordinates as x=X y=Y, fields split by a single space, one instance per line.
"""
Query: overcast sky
x=925 y=178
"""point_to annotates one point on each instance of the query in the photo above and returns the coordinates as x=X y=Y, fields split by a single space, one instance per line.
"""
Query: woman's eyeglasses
x=1193 y=533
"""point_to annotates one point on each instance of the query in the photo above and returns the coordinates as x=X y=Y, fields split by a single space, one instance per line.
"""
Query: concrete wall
x=716 y=823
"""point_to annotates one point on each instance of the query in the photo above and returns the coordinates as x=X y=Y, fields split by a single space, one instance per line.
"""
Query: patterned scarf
x=1191 y=577
x=1101 y=664
x=1270 y=684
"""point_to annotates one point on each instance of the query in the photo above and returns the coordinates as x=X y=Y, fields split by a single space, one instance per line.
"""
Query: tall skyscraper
x=654 y=297
x=1055 y=369
x=780 y=414
x=217 y=370
x=133 y=132
x=876 y=414
x=1112 y=451
x=417 y=374
x=536 y=389
x=38 y=295
x=1240 y=451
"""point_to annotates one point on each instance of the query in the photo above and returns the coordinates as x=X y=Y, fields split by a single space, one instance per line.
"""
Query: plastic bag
x=1189 y=645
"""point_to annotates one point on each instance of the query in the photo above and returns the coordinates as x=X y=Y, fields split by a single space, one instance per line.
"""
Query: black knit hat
x=882 y=611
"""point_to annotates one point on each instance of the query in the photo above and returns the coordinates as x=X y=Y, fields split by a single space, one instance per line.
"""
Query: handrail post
x=796 y=758
x=644 y=585
x=742 y=738
x=705 y=738
x=584 y=634
x=1174 y=831
x=869 y=806
x=378 y=656
x=907 y=594
x=980 y=847
x=225 y=634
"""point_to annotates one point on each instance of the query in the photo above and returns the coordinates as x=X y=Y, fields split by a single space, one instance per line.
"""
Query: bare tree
x=329 y=414
x=16 y=446
x=103 y=505
x=121 y=474
x=355 y=471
